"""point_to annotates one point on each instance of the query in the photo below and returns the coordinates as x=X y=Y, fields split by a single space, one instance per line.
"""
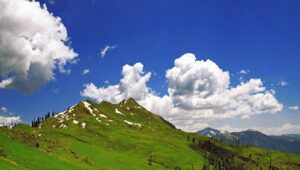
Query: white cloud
x=286 y=128
x=283 y=83
x=230 y=129
x=293 y=107
x=9 y=120
x=32 y=45
x=283 y=129
x=3 y=110
x=106 y=49
x=6 y=82
x=198 y=91
x=6 y=118
x=85 y=71
x=244 y=71
x=133 y=84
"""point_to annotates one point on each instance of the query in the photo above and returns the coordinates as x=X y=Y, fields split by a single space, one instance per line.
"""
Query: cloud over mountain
x=198 y=90
x=33 y=43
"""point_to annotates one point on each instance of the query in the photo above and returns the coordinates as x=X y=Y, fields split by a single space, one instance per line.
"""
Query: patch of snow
x=63 y=113
x=83 y=124
x=131 y=123
x=98 y=119
x=117 y=111
x=131 y=114
x=75 y=122
x=71 y=109
x=53 y=126
x=67 y=117
x=87 y=105
x=212 y=132
x=40 y=135
x=127 y=108
x=60 y=114
x=102 y=115
x=110 y=120
x=107 y=124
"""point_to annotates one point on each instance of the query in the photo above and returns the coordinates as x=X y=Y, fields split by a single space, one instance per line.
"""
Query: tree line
x=37 y=121
x=219 y=158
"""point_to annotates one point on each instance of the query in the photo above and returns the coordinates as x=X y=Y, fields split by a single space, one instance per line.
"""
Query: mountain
x=216 y=134
x=291 y=137
x=284 y=143
x=110 y=136
x=209 y=132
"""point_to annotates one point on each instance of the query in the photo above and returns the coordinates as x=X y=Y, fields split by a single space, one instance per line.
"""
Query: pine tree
x=193 y=140
x=205 y=166
x=199 y=143
x=270 y=163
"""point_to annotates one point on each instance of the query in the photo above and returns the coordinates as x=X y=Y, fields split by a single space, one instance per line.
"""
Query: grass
x=19 y=156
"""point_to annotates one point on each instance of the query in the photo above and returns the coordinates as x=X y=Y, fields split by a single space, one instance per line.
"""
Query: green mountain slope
x=123 y=136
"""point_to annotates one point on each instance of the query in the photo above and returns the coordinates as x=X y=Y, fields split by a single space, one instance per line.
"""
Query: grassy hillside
x=123 y=136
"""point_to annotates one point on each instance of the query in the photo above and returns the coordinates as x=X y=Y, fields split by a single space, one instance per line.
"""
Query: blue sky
x=260 y=36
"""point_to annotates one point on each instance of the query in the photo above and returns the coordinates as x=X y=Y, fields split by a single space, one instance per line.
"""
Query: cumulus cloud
x=293 y=107
x=6 y=117
x=85 y=71
x=198 y=91
x=107 y=48
x=133 y=84
x=33 y=43
x=286 y=128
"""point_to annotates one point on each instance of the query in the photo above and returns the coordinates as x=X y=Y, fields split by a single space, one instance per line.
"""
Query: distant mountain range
x=285 y=143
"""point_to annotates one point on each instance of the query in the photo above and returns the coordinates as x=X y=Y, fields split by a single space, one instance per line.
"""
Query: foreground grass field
x=124 y=136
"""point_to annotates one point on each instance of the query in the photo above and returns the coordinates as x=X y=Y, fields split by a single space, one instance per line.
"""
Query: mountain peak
x=209 y=132
x=250 y=132
x=129 y=101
